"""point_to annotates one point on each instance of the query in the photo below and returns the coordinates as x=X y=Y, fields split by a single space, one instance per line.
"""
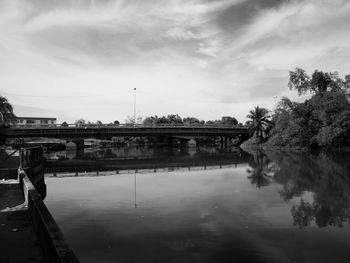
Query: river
x=201 y=205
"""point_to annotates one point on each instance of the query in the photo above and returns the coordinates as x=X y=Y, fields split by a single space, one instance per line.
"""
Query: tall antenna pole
x=135 y=121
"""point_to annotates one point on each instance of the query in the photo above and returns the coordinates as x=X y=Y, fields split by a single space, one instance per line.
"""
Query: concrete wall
x=54 y=247
x=51 y=239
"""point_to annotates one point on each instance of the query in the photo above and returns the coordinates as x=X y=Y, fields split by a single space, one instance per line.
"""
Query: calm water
x=255 y=208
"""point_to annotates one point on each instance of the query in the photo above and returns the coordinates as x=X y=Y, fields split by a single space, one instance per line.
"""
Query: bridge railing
x=127 y=125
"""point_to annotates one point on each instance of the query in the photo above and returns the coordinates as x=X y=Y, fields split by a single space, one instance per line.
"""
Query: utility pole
x=135 y=121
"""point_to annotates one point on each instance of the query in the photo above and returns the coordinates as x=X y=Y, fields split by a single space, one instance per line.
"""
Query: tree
x=131 y=120
x=190 y=121
x=169 y=119
x=215 y=122
x=318 y=83
x=116 y=123
x=80 y=122
x=322 y=120
x=174 y=119
x=260 y=122
x=6 y=111
x=227 y=120
x=299 y=80
x=150 y=120
x=99 y=123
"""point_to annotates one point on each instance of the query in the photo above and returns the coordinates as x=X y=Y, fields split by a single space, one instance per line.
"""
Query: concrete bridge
x=78 y=133
x=105 y=131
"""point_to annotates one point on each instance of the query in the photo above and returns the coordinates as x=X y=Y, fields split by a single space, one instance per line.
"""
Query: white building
x=35 y=121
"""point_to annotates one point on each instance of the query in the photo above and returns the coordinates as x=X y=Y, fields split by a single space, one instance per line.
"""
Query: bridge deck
x=139 y=131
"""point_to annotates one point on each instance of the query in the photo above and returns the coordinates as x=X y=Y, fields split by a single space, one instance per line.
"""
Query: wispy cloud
x=197 y=57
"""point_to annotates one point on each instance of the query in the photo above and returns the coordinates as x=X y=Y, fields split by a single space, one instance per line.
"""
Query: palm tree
x=6 y=110
x=260 y=122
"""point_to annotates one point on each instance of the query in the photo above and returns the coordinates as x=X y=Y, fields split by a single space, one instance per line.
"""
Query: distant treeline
x=174 y=119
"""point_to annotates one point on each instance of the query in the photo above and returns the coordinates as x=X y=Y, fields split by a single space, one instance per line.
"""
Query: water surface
x=266 y=208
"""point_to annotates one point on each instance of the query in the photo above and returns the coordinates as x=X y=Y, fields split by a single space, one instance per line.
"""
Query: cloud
x=210 y=47
x=196 y=57
x=297 y=33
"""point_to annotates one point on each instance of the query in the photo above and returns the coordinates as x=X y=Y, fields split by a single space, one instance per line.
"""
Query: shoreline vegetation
x=321 y=122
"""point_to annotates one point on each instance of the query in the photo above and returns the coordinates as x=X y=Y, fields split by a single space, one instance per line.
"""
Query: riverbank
x=253 y=144
x=17 y=238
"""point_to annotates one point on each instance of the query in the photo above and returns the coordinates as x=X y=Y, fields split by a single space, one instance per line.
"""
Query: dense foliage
x=177 y=120
x=321 y=121
x=6 y=111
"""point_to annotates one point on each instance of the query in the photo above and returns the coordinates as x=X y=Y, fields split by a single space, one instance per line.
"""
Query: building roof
x=36 y=118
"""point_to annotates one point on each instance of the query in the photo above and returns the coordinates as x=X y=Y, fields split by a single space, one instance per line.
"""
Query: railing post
x=21 y=158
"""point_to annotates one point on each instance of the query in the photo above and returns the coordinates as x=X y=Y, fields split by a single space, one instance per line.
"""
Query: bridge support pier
x=75 y=145
x=224 y=142
x=192 y=143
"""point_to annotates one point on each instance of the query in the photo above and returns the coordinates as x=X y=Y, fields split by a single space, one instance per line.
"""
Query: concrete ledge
x=50 y=236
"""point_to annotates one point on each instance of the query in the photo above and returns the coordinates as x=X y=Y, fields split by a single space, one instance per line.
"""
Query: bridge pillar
x=75 y=145
x=192 y=143
x=224 y=142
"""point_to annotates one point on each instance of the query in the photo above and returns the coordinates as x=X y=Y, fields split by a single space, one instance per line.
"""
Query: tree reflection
x=324 y=215
x=303 y=214
x=260 y=170
x=326 y=177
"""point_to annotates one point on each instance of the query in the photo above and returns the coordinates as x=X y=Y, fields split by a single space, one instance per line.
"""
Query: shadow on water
x=116 y=159
x=115 y=153
x=325 y=176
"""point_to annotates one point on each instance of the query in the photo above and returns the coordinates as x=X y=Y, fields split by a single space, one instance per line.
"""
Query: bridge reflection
x=94 y=167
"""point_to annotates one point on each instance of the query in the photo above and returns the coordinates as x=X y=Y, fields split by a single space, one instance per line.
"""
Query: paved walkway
x=18 y=242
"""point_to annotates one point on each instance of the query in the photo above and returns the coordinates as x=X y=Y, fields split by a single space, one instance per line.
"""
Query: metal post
x=135 y=121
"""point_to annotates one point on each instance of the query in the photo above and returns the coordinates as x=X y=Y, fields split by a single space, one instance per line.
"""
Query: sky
x=202 y=58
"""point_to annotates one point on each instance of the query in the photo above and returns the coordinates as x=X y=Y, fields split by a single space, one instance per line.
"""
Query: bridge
x=76 y=132
x=103 y=131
